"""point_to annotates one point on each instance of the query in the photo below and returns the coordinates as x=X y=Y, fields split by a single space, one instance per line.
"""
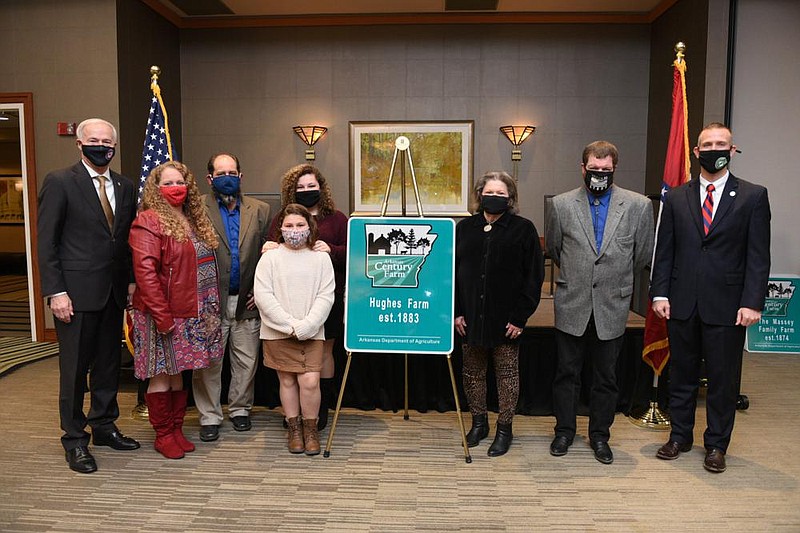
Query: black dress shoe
x=715 y=461
x=114 y=439
x=671 y=450
x=80 y=460
x=602 y=452
x=560 y=446
x=241 y=423
x=209 y=432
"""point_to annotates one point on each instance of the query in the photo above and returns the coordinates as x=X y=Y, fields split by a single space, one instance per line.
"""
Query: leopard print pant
x=506 y=370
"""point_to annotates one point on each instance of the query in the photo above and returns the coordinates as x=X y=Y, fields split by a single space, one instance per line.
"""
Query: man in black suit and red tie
x=709 y=281
x=85 y=214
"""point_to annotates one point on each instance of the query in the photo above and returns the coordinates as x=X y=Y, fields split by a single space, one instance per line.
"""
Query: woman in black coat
x=499 y=273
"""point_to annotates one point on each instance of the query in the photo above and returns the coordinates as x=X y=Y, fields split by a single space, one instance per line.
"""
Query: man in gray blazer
x=599 y=235
x=241 y=224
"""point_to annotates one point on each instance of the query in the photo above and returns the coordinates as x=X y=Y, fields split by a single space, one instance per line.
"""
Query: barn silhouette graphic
x=396 y=253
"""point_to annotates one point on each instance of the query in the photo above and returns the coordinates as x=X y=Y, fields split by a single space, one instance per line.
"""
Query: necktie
x=105 y=203
x=708 y=208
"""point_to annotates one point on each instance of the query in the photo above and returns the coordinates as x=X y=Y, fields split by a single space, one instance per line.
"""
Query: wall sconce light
x=310 y=135
x=517 y=135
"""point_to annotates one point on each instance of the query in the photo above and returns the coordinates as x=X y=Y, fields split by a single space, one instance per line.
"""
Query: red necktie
x=708 y=208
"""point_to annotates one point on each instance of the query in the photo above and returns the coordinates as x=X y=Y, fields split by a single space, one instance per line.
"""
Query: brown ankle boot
x=311 y=436
x=295 y=435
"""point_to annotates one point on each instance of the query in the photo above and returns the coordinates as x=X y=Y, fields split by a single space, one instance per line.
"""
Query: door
x=21 y=304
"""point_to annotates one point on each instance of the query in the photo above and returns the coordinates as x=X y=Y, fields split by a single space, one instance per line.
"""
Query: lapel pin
x=733 y=193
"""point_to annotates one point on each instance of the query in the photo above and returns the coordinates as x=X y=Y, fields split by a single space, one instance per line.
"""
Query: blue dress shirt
x=598 y=206
x=230 y=219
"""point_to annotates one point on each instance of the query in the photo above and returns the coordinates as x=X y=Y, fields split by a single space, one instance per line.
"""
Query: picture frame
x=12 y=210
x=441 y=153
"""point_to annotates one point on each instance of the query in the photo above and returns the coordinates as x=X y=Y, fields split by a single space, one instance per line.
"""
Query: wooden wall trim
x=164 y=11
x=384 y=19
x=413 y=19
x=660 y=9
x=26 y=99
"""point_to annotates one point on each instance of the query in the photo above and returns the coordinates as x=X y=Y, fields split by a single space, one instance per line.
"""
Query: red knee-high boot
x=159 y=407
x=178 y=412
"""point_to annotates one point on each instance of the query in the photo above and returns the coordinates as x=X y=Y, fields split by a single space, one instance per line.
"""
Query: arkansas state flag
x=676 y=171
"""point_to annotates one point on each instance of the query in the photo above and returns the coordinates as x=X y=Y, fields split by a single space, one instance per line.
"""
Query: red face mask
x=175 y=195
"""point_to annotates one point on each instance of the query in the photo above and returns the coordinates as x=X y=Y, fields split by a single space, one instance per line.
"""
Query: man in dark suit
x=709 y=281
x=600 y=236
x=241 y=224
x=85 y=214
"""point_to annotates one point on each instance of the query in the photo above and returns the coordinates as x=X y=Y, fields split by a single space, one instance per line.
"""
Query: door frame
x=23 y=102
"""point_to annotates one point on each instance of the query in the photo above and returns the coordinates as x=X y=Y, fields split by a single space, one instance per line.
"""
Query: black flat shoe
x=114 y=439
x=80 y=460
x=209 y=433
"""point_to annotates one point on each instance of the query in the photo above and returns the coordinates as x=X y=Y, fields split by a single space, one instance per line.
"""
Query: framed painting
x=441 y=154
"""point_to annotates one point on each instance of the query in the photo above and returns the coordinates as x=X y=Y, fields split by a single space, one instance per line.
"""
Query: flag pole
x=140 y=411
x=653 y=417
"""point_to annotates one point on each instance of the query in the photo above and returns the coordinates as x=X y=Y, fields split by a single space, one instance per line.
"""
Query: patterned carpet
x=388 y=474
x=14 y=309
x=16 y=351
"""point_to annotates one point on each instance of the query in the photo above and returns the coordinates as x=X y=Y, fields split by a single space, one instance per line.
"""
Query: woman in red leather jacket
x=176 y=310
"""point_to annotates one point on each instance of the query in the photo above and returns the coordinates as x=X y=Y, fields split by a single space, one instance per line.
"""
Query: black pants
x=89 y=344
x=567 y=384
x=691 y=341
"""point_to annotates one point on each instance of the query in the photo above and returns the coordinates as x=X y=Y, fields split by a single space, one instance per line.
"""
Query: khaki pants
x=242 y=336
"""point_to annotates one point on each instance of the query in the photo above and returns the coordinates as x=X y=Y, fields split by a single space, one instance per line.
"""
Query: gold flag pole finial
x=155 y=71
x=680 y=48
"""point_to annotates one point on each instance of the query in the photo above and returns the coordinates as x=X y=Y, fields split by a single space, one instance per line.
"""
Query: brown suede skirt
x=292 y=355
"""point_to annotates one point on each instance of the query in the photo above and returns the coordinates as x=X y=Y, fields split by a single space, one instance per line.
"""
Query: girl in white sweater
x=293 y=289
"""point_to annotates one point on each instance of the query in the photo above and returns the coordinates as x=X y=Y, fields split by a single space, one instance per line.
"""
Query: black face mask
x=98 y=155
x=494 y=205
x=598 y=181
x=713 y=161
x=307 y=198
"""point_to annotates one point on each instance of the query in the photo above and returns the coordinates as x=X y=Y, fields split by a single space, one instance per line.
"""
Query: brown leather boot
x=295 y=435
x=311 y=436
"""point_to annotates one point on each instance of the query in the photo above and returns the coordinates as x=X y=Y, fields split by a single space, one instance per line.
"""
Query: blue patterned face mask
x=296 y=238
x=227 y=185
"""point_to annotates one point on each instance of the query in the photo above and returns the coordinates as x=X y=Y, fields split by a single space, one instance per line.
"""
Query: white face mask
x=295 y=238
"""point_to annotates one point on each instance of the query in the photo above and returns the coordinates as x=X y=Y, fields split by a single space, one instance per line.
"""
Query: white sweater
x=294 y=292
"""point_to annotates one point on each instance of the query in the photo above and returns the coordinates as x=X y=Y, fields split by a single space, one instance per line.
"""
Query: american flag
x=157 y=143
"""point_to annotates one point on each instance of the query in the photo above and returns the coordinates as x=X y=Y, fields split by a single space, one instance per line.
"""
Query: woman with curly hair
x=176 y=308
x=305 y=185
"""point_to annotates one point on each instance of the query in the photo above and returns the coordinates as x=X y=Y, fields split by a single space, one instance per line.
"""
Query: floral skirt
x=196 y=342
